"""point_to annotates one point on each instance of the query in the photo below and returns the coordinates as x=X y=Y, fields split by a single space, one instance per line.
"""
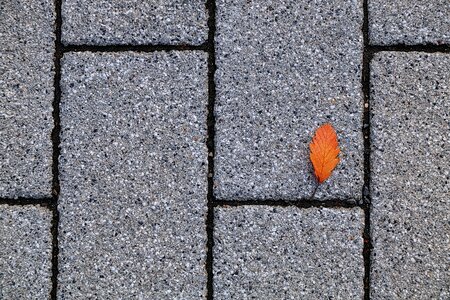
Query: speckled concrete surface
x=410 y=176
x=133 y=176
x=25 y=252
x=409 y=22
x=105 y=22
x=275 y=86
x=133 y=161
x=268 y=252
x=26 y=96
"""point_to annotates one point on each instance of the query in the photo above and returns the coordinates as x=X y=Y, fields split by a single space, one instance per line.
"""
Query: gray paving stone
x=105 y=22
x=288 y=253
x=409 y=22
x=284 y=68
x=26 y=95
x=25 y=252
x=410 y=176
x=133 y=176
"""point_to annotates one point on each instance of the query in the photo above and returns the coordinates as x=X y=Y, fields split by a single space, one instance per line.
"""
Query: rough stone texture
x=106 y=22
x=25 y=252
x=409 y=22
x=133 y=176
x=26 y=95
x=410 y=176
x=263 y=252
x=284 y=68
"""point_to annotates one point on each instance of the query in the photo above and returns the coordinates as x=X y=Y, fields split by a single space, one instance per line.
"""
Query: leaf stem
x=314 y=192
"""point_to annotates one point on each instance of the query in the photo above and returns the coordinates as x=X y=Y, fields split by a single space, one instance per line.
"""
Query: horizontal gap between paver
x=135 y=48
x=302 y=203
x=205 y=47
x=47 y=202
x=410 y=48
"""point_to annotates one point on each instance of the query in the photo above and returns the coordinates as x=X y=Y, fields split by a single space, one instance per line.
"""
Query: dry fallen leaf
x=324 y=151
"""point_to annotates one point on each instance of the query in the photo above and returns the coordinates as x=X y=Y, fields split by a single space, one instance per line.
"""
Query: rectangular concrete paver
x=410 y=176
x=264 y=252
x=409 y=22
x=105 y=22
x=26 y=95
x=25 y=252
x=133 y=172
x=283 y=69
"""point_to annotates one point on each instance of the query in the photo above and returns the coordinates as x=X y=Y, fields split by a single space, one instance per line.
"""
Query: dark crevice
x=430 y=48
x=56 y=150
x=55 y=249
x=365 y=81
x=211 y=7
x=287 y=203
x=21 y=201
x=134 y=48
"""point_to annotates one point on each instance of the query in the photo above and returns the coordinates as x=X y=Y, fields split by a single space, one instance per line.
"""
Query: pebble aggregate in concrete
x=409 y=22
x=410 y=176
x=283 y=69
x=26 y=95
x=25 y=252
x=106 y=22
x=263 y=252
x=133 y=172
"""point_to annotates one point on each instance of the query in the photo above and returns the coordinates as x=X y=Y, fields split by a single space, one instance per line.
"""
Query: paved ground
x=159 y=149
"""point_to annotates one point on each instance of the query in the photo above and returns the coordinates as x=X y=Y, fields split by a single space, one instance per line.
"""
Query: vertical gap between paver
x=56 y=151
x=211 y=7
x=365 y=78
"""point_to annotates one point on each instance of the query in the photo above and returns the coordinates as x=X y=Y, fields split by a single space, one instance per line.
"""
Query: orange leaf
x=324 y=151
